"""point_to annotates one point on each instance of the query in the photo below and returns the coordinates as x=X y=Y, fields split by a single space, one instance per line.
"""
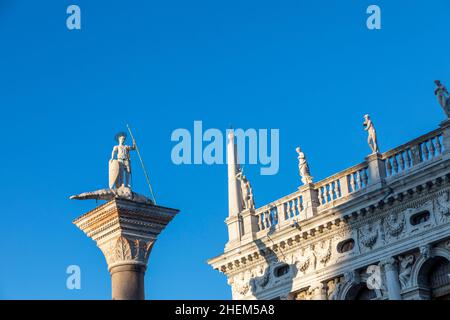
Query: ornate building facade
x=377 y=230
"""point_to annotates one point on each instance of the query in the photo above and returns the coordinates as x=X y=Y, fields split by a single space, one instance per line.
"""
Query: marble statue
x=119 y=176
x=372 y=134
x=303 y=167
x=120 y=167
x=443 y=97
x=246 y=191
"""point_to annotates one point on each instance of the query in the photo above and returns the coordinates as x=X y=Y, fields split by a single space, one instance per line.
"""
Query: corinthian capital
x=125 y=231
x=126 y=250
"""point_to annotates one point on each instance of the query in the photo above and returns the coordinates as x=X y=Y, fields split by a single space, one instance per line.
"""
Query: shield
x=114 y=170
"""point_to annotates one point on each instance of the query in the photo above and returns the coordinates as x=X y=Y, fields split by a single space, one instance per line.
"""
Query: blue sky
x=307 y=68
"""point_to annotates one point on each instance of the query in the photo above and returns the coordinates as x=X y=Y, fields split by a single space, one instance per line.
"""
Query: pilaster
x=310 y=200
x=377 y=171
x=250 y=225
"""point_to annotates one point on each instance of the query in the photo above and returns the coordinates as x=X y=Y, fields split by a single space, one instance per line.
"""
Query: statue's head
x=437 y=82
x=298 y=150
x=120 y=137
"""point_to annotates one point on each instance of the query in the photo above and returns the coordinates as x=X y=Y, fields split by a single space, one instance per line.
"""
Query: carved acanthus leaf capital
x=126 y=250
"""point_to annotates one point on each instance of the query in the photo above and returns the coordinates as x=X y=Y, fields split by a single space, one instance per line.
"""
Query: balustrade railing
x=352 y=180
x=279 y=211
x=268 y=218
x=292 y=207
x=329 y=191
x=340 y=185
x=404 y=157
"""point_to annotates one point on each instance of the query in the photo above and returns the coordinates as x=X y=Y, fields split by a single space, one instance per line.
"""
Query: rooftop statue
x=443 y=97
x=303 y=167
x=246 y=191
x=372 y=134
x=119 y=176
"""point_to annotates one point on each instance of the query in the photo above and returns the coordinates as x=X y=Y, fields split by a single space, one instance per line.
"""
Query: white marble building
x=377 y=230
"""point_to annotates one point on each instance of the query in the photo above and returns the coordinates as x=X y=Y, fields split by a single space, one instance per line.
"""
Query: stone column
x=127 y=282
x=392 y=282
x=377 y=171
x=125 y=231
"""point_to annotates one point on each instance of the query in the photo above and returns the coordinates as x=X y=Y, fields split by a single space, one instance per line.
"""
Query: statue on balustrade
x=443 y=97
x=303 y=167
x=246 y=191
x=372 y=134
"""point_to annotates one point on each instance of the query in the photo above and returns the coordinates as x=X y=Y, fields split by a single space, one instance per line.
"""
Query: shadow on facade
x=279 y=275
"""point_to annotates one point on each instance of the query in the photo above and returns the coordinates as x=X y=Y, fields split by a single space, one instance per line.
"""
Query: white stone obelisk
x=234 y=220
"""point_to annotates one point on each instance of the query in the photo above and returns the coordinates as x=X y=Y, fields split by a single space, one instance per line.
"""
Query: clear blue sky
x=311 y=69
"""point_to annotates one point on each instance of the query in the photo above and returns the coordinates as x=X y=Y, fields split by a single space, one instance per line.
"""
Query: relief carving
x=394 y=224
x=122 y=250
x=306 y=260
x=316 y=290
x=406 y=264
x=368 y=235
x=323 y=252
x=334 y=289
x=304 y=295
x=240 y=284
x=442 y=206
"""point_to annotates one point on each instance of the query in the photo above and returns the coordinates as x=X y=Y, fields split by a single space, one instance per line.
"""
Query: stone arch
x=344 y=292
x=346 y=288
x=360 y=291
x=426 y=262
x=354 y=290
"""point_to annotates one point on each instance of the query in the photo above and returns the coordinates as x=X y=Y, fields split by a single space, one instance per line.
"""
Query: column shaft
x=127 y=282
x=392 y=281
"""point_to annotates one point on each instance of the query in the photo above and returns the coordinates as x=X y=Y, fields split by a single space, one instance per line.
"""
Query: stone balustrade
x=353 y=181
x=405 y=157
x=280 y=211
